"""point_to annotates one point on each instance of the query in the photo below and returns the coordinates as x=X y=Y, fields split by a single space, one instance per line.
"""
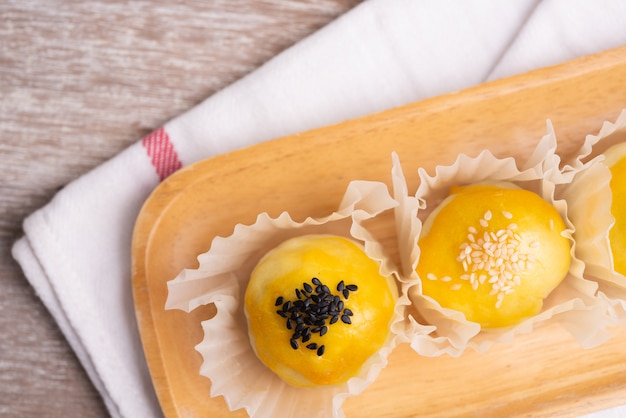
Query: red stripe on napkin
x=162 y=153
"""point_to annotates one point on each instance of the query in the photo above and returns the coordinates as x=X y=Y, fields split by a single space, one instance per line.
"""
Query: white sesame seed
x=446 y=279
x=431 y=276
x=534 y=244
x=493 y=258
x=455 y=286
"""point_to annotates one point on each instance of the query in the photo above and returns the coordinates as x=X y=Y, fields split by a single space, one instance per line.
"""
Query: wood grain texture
x=80 y=81
x=544 y=374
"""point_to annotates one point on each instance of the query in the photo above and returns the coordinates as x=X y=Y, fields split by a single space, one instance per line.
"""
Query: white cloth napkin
x=384 y=53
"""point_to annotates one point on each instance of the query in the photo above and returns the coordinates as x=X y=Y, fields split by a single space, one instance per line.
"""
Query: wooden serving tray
x=544 y=374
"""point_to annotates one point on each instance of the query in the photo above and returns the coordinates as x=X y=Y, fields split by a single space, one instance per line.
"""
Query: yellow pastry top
x=318 y=309
x=493 y=252
x=616 y=161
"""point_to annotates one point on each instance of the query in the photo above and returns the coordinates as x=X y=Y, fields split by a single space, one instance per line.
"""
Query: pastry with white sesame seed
x=317 y=309
x=493 y=252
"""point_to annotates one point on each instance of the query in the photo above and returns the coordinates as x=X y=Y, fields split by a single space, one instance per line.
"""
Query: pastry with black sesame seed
x=317 y=309
x=493 y=252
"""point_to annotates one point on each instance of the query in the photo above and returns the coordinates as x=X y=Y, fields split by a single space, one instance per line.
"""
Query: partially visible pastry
x=615 y=159
x=493 y=252
x=317 y=309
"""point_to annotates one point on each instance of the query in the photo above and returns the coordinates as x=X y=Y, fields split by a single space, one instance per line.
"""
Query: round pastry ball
x=493 y=252
x=318 y=309
x=616 y=161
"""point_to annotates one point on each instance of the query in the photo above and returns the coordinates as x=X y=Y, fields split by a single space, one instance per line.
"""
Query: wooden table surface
x=79 y=82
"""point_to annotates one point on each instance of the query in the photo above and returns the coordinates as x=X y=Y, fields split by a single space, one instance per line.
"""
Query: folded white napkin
x=384 y=53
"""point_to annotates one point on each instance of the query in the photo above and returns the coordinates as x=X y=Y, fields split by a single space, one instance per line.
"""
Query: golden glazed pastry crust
x=318 y=267
x=493 y=253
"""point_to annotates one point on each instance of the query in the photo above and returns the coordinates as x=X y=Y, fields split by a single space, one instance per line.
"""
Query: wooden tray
x=545 y=374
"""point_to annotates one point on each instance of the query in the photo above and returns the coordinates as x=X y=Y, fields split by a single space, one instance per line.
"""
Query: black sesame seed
x=320 y=351
x=313 y=310
x=352 y=287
